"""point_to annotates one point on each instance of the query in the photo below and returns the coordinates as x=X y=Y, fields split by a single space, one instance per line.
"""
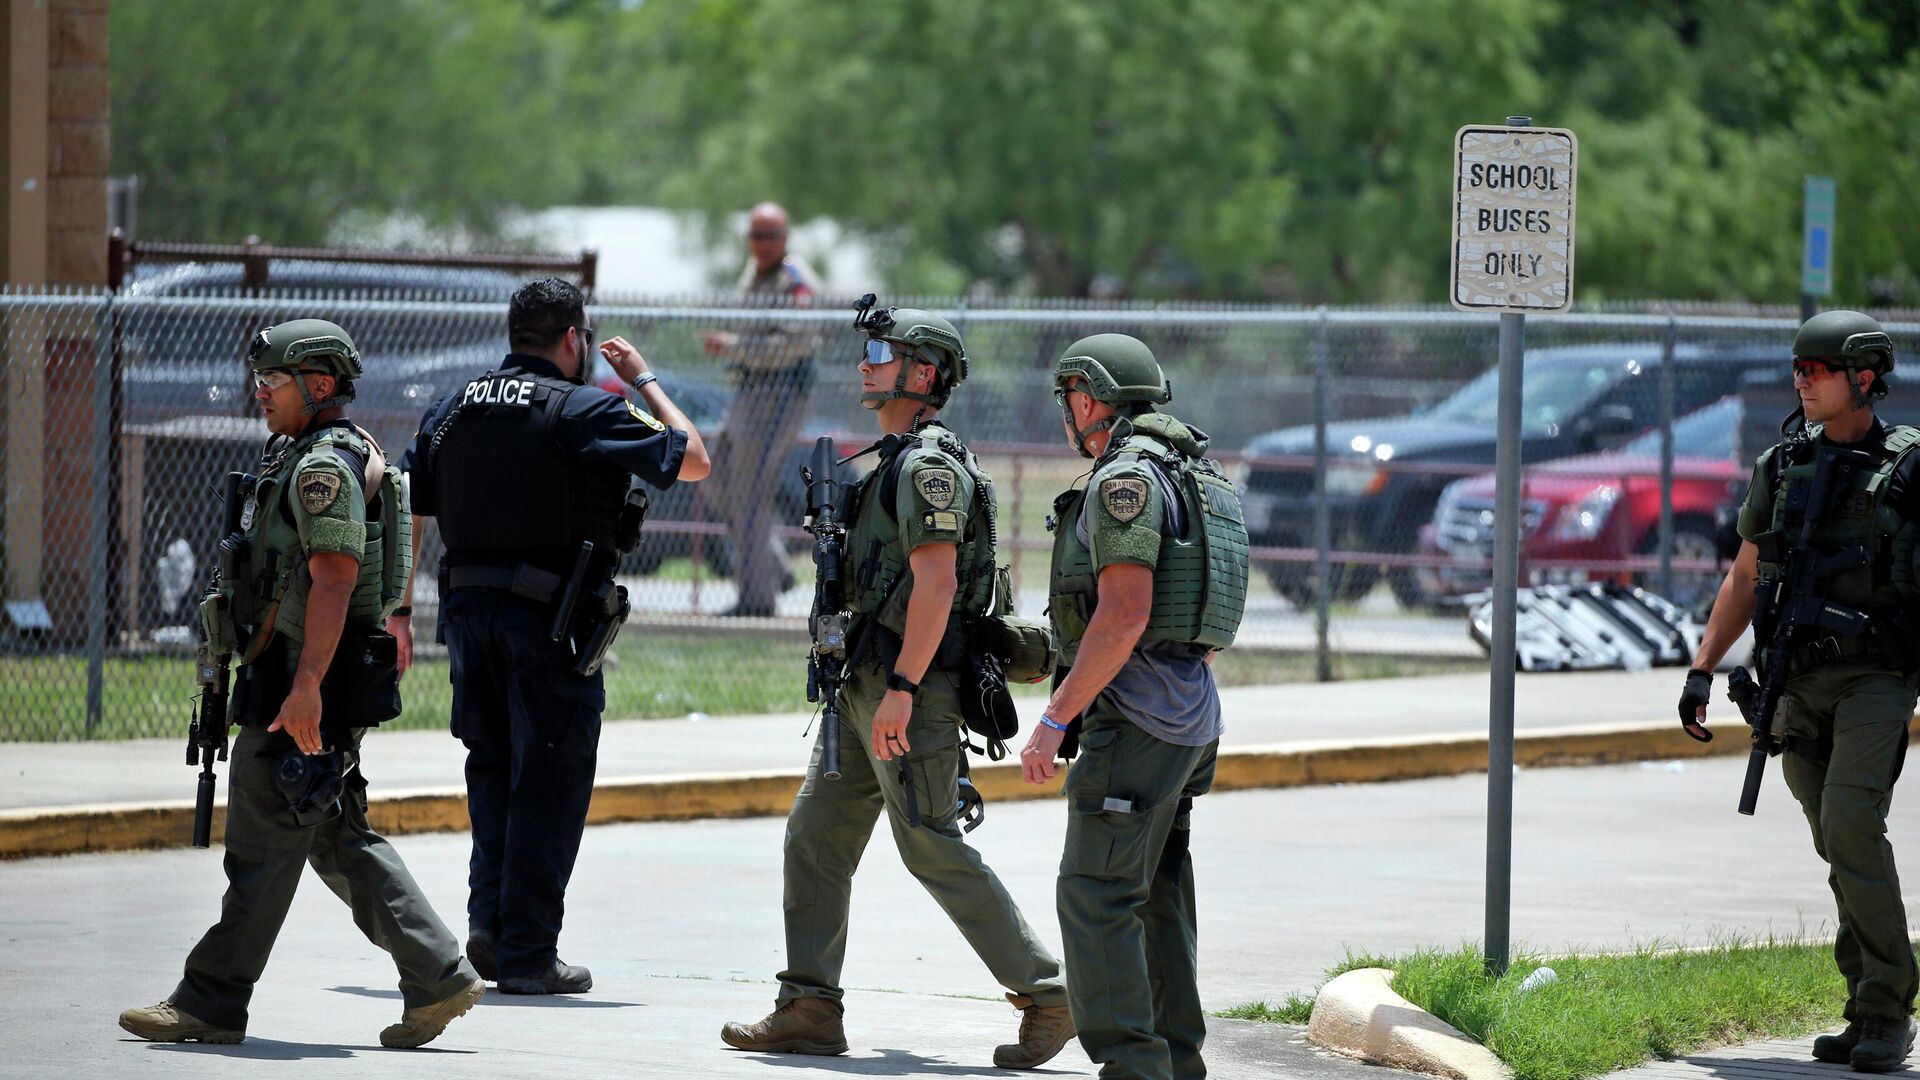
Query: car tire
x=1409 y=593
x=1693 y=538
x=1297 y=582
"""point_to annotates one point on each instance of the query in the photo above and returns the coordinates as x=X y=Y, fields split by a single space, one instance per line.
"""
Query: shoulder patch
x=936 y=486
x=1124 y=497
x=318 y=490
x=645 y=417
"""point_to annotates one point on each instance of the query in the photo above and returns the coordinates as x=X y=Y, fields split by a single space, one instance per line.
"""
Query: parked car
x=1575 y=400
x=1601 y=508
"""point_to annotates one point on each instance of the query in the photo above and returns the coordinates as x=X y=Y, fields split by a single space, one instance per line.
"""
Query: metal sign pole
x=1506 y=585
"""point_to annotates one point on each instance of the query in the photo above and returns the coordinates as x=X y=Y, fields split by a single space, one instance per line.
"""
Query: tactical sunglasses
x=763 y=234
x=1812 y=370
x=879 y=353
x=586 y=340
x=274 y=380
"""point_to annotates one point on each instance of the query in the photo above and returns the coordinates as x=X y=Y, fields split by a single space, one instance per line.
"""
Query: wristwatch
x=897 y=681
x=641 y=380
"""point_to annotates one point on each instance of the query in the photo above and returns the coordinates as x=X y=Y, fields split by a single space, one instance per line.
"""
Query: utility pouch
x=611 y=608
x=259 y=688
x=1024 y=647
x=633 y=514
x=362 y=686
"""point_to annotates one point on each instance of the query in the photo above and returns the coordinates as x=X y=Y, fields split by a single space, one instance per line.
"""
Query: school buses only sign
x=1513 y=219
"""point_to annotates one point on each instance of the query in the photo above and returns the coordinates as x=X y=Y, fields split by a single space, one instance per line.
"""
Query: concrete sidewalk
x=1774 y=1059
x=45 y=775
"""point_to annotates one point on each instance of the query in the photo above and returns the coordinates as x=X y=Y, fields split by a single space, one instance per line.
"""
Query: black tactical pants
x=532 y=732
x=1864 y=712
x=266 y=851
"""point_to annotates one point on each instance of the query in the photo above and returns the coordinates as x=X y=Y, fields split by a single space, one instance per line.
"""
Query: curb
x=68 y=830
x=1358 y=1015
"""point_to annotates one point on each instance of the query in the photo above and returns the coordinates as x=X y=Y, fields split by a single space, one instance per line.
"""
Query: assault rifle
x=1788 y=608
x=207 y=733
x=827 y=624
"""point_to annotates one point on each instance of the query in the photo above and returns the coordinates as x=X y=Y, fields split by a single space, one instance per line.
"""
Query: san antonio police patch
x=1123 y=497
x=645 y=417
x=936 y=486
x=318 y=490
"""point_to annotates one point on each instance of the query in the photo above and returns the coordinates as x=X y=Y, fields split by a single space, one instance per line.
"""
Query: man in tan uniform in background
x=772 y=367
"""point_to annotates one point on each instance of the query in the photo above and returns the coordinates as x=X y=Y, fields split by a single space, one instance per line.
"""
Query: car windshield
x=1551 y=395
x=1707 y=433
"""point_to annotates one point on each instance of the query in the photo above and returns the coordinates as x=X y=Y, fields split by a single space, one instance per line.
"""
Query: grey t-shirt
x=1165 y=688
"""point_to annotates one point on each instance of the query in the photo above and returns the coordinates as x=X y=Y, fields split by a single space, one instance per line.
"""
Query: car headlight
x=1584 y=520
x=1351 y=478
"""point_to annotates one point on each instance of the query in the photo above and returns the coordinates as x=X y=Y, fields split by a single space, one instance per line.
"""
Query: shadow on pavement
x=495 y=997
x=1773 y=1068
x=895 y=1063
x=257 y=1049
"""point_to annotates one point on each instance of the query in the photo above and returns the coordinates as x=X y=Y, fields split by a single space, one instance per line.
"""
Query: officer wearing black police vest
x=1848 y=697
x=920 y=561
x=1149 y=580
x=322 y=558
x=528 y=471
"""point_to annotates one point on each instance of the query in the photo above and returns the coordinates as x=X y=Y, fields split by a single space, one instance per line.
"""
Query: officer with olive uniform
x=1848 y=698
x=920 y=558
x=529 y=471
x=1149 y=580
x=327 y=534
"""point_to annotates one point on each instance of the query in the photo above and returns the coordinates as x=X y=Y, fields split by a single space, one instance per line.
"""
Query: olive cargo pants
x=832 y=821
x=1126 y=897
x=266 y=852
x=1865 y=712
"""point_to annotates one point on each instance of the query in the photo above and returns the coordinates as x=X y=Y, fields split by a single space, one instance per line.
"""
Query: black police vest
x=508 y=493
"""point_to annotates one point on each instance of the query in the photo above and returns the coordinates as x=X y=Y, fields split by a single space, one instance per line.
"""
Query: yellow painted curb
x=69 y=830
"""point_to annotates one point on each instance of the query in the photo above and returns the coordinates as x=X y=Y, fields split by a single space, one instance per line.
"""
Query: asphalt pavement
x=681 y=925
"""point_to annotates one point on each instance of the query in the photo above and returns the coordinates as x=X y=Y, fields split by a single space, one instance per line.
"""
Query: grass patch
x=1606 y=1013
x=652 y=673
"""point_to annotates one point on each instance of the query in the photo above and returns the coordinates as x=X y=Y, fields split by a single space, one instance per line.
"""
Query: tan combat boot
x=1044 y=1029
x=165 y=1023
x=418 y=1027
x=807 y=1025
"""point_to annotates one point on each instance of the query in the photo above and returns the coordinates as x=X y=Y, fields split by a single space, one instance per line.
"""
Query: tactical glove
x=1693 y=703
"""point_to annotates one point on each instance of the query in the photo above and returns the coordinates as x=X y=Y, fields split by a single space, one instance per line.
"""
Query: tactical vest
x=276 y=578
x=507 y=492
x=1200 y=581
x=880 y=580
x=1858 y=515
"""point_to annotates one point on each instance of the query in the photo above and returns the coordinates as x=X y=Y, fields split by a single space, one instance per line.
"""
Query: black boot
x=1883 y=1044
x=480 y=955
x=1837 y=1049
x=558 y=979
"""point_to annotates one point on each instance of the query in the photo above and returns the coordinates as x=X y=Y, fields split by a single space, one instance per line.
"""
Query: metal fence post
x=100 y=529
x=1322 y=515
x=1668 y=377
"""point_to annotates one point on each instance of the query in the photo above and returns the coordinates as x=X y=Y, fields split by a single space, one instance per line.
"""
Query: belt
x=1836 y=648
x=526 y=581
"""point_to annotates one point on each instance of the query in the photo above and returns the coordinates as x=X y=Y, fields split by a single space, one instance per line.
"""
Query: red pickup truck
x=1585 y=515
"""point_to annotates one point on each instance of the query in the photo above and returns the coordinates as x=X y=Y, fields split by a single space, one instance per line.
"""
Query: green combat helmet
x=308 y=345
x=1850 y=340
x=1115 y=369
x=928 y=337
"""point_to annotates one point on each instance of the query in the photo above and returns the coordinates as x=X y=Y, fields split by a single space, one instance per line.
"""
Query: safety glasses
x=879 y=353
x=274 y=380
x=1812 y=370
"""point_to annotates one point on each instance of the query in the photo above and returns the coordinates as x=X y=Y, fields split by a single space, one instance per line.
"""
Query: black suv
x=1575 y=400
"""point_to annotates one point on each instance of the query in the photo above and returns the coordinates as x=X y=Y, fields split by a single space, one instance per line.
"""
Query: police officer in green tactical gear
x=326 y=556
x=1848 y=697
x=920 y=559
x=1149 y=580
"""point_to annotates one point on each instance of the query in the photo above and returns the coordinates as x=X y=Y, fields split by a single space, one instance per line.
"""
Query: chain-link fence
x=1364 y=440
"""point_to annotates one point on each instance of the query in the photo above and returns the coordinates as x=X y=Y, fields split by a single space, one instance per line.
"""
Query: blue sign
x=1816 y=253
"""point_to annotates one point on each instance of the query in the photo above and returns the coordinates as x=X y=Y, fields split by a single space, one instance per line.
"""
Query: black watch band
x=404 y=611
x=897 y=681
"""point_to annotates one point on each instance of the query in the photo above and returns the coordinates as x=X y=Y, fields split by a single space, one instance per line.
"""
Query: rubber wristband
x=897 y=681
x=641 y=380
x=404 y=611
x=1049 y=721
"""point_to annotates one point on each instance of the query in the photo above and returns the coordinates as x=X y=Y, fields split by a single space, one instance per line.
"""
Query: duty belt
x=1836 y=648
x=526 y=581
